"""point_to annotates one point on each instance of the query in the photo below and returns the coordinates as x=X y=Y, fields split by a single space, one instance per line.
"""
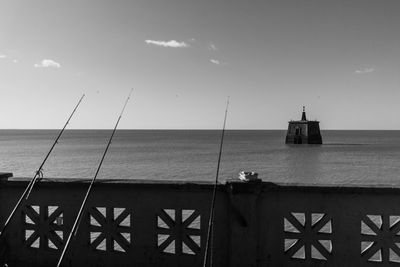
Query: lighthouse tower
x=303 y=131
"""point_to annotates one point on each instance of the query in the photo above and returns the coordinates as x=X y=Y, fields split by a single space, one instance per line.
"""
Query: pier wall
x=164 y=223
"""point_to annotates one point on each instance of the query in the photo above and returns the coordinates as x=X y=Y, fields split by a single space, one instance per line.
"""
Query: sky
x=339 y=58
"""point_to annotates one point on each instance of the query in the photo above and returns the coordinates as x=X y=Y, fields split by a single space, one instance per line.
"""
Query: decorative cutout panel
x=43 y=226
x=110 y=229
x=380 y=238
x=307 y=236
x=179 y=231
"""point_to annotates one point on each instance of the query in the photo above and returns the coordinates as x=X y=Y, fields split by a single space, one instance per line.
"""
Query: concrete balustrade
x=164 y=223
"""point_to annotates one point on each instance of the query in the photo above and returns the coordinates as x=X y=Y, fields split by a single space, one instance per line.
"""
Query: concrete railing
x=159 y=223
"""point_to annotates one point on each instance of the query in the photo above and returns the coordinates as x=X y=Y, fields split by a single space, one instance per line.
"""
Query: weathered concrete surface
x=255 y=224
x=143 y=201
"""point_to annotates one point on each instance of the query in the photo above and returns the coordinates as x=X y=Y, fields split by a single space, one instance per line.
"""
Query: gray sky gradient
x=339 y=58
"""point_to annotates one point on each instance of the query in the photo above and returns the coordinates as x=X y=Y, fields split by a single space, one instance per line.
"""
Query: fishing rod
x=38 y=173
x=78 y=217
x=209 y=241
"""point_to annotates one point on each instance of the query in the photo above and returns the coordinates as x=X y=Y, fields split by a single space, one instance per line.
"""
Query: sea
x=346 y=157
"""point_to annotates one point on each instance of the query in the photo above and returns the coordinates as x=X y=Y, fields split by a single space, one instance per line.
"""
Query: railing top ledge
x=48 y=182
x=234 y=185
x=263 y=186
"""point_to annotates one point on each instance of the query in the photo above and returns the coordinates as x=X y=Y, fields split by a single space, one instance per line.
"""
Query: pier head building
x=303 y=131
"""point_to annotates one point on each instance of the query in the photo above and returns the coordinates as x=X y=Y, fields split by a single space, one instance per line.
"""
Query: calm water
x=347 y=157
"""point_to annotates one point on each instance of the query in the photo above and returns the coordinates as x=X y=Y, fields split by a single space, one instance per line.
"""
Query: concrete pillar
x=244 y=221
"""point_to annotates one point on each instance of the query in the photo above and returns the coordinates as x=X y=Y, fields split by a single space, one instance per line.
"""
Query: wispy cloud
x=212 y=47
x=217 y=62
x=364 y=70
x=172 y=43
x=47 y=63
x=3 y=56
